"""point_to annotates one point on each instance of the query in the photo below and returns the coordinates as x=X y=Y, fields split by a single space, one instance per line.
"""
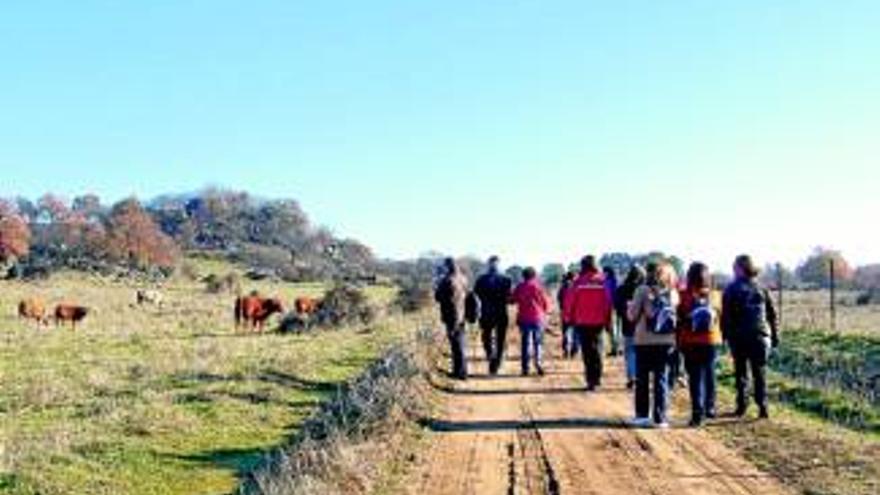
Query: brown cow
x=33 y=308
x=305 y=306
x=70 y=312
x=255 y=310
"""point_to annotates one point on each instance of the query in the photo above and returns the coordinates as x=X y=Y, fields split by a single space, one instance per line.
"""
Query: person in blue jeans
x=699 y=336
x=570 y=342
x=532 y=307
x=653 y=310
x=623 y=297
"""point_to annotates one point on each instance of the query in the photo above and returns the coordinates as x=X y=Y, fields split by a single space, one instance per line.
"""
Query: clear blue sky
x=539 y=130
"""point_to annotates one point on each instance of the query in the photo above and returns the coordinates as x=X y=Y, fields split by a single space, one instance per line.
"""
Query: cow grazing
x=254 y=310
x=305 y=306
x=70 y=312
x=149 y=296
x=33 y=308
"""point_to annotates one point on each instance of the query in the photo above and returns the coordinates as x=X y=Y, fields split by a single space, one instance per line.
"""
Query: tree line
x=275 y=236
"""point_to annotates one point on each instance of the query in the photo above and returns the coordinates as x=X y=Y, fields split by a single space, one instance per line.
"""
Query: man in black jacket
x=493 y=289
x=450 y=294
x=750 y=326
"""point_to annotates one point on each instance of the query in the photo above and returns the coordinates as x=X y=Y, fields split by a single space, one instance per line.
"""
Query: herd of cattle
x=250 y=311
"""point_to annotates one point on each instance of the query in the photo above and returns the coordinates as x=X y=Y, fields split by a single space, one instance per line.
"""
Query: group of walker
x=660 y=322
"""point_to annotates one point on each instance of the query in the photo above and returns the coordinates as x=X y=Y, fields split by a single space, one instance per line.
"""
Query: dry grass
x=811 y=310
x=160 y=400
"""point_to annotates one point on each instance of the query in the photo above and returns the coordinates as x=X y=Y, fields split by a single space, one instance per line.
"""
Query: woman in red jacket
x=532 y=307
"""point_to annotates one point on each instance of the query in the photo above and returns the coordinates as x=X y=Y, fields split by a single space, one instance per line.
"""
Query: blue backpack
x=662 y=320
x=702 y=315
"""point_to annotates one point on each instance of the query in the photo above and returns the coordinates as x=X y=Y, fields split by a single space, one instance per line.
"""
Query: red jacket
x=588 y=303
x=532 y=303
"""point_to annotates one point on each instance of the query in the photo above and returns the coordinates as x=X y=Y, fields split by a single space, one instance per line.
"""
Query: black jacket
x=494 y=291
x=622 y=296
x=748 y=313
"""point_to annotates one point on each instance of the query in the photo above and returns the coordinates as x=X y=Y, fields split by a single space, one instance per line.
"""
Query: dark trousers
x=494 y=336
x=699 y=361
x=591 y=351
x=652 y=361
x=750 y=355
x=457 y=344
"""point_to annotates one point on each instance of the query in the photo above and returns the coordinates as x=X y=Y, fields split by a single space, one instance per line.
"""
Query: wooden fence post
x=831 y=292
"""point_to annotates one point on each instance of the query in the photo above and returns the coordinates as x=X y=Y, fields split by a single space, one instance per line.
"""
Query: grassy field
x=811 y=310
x=159 y=400
x=825 y=434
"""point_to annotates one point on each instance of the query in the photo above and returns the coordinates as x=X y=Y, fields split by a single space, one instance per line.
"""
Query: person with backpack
x=450 y=294
x=611 y=285
x=570 y=345
x=532 y=307
x=699 y=336
x=588 y=307
x=493 y=289
x=654 y=311
x=623 y=297
x=749 y=325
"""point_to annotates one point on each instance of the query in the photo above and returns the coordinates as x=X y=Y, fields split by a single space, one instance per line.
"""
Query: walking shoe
x=641 y=422
x=591 y=387
x=663 y=425
x=764 y=413
x=630 y=384
x=740 y=411
x=711 y=414
x=696 y=422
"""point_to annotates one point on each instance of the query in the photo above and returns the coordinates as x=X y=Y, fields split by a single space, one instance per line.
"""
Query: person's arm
x=772 y=318
x=634 y=312
x=568 y=304
x=440 y=291
x=727 y=312
x=609 y=310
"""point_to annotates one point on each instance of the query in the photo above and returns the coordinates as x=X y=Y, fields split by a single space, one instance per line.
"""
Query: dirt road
x=514 y=435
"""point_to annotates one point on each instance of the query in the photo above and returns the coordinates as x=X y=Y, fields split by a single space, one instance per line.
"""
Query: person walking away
x=532 y=307
x=570 y=345
x=623 y=297
x=614 y=329
x=699 y=336
x=749 y=325
x=493 y=288
x=588 y=307
x=654 y=312
x=450 y=295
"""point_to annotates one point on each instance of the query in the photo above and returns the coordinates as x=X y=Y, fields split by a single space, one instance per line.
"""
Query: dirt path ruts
x=514 y=435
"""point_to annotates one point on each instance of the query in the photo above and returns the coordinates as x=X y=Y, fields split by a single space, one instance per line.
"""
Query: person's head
x=588 y=264
x=493 y=263
x=450 y=265
x=698 y=277
x=661 y=274
x=744 y=267
x=609 y=272
x=568 y=277
x=529 y=274
x=635 y=276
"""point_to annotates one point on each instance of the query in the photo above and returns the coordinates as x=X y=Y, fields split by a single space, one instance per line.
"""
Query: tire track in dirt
x=527 y=435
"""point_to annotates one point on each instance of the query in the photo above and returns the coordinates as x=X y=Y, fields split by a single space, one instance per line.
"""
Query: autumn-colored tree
x=15 y=236
x=816 y=269
x=134 y=238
